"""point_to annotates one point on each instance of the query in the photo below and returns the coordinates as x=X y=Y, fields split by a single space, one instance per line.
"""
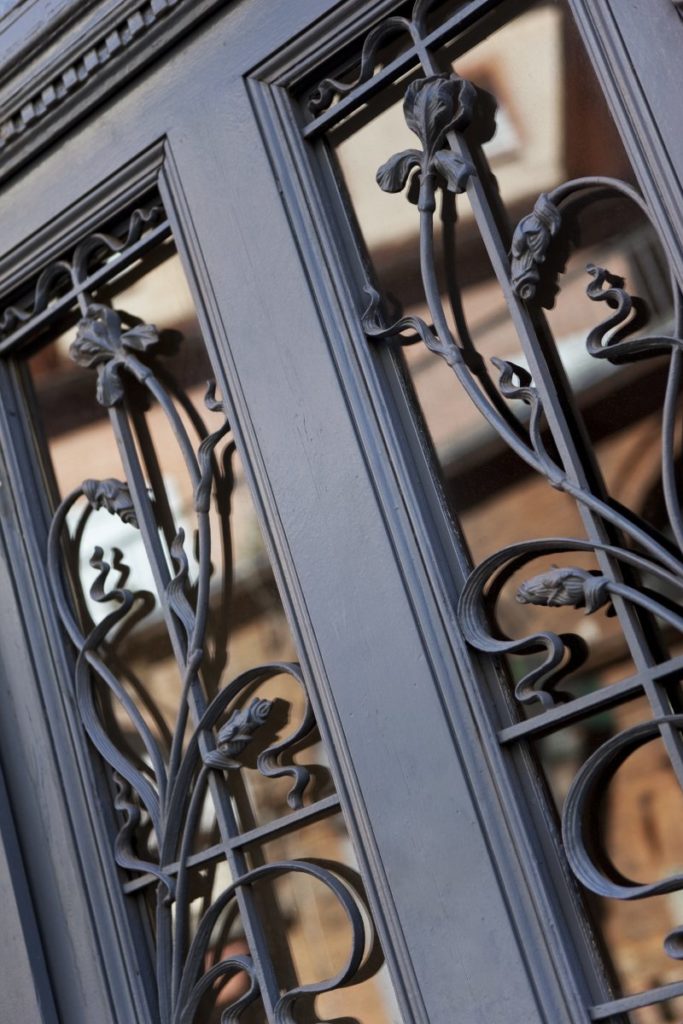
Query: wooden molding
x=90 y=59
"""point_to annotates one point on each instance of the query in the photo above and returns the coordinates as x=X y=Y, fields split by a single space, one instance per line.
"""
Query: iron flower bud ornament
x=114 y=496
x=530 y=244
x=570 y=587
x=237 y=733
x=432 y=107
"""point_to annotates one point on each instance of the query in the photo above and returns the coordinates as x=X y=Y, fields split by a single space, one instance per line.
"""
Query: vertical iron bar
x=224 y=813
x=564 y=421
x=163 y=511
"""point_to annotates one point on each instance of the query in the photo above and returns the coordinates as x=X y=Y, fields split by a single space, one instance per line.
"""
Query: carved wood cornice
x=35 y=103
x=66 y=77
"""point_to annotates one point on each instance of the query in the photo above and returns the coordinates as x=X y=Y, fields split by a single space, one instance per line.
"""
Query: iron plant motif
x=432 y=107
x=442 y=122
x=237 y=733
x=572 y=587
x=530 y=243
x=102 y=343
x=113 y=495
x=161 y=796
x=640 y=574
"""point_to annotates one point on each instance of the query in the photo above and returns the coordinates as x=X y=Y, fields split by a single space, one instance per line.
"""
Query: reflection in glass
x=551 y=125
x=263 y=781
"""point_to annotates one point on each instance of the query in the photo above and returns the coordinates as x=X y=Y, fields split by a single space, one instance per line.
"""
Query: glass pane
x=524 y=291
x=639 y=824
x=186 y=675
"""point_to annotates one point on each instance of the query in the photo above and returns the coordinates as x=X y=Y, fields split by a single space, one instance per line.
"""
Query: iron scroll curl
x=639 y=574
x=160 y=795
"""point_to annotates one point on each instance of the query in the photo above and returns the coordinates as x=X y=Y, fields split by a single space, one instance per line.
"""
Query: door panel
x=370 y=677
x=476 y=910
x=453 y=114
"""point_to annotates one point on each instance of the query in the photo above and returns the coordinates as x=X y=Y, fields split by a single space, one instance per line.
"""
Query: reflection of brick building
x=552 y=127
x=307 y=929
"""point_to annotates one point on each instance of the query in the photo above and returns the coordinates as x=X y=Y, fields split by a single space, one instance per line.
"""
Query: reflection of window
x=526 y=77
x=505 y=144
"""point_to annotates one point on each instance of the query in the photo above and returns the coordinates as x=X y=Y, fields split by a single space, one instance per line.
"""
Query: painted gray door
x=475 y=902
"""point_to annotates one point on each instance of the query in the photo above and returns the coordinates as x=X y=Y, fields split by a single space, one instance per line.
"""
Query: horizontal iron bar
x=599 y=700
x=116 y=263
x=280 y=826
x=304 y=816
x=195 y=860
x=462 y=19
x=650 y=998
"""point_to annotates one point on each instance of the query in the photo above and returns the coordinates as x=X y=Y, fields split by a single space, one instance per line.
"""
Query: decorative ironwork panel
x=637 y=578
x=197 y=845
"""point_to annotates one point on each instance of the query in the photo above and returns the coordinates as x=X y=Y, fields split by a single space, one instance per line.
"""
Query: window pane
x=186 y=675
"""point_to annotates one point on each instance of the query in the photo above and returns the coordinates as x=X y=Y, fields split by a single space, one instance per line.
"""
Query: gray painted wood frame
x=462 y=868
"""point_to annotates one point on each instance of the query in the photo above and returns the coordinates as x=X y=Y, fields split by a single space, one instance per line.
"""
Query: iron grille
x=639 y=574
x=165 y=777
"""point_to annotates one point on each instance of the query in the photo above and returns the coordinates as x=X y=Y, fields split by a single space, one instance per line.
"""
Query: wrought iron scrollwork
x=160 y=794
x=554 y=588
x=610 y=340
x=89 y=261
x=414 y=29
x=639 y=574
x=325 y=93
